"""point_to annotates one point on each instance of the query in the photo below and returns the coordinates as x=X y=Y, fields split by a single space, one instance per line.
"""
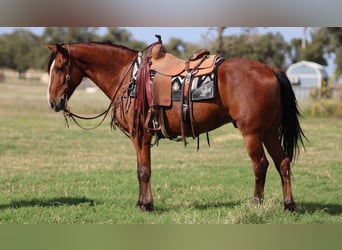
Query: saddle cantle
x=169 y=65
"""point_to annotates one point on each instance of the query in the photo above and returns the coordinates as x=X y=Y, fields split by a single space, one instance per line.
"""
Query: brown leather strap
x=186 y=102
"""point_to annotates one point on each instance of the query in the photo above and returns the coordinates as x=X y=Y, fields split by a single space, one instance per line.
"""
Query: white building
x=304 y=76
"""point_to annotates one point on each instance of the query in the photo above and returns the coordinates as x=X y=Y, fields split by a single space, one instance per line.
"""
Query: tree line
x=22 y=49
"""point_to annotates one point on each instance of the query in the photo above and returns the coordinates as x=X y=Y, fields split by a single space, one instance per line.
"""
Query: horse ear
x=62 y=50
x=51 y=47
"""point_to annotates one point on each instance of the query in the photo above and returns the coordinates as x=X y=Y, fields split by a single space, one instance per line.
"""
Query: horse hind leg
x=260 y=164
x=282 y=163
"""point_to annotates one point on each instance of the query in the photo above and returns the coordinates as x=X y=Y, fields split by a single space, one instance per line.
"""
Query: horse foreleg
x=282 y=164
x=259 y=163
x=143 y=152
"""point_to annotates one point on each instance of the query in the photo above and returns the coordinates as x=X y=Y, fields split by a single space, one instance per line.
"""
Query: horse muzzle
x=58 y=106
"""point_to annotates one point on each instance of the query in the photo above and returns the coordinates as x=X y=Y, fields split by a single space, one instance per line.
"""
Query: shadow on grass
x=312 y=207
x=195 y=205
x=210 y=205
x=54 y=202
x=302 y=208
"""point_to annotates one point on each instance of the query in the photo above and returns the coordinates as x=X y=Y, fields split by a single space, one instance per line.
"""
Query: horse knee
x=144 y=174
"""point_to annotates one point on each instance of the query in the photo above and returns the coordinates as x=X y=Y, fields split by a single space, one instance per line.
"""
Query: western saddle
x=163 y=66
x=169 y=65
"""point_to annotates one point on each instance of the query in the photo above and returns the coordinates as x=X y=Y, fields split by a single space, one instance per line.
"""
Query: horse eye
x=59 y=69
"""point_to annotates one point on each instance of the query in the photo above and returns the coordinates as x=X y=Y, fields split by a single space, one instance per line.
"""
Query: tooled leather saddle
x=167 y=69
x=166 y=64
x=165 y=72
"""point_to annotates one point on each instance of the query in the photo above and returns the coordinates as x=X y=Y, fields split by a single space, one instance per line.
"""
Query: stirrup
x=152 y=122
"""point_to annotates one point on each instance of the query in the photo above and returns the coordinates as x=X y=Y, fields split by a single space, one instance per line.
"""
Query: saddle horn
x=159 y=38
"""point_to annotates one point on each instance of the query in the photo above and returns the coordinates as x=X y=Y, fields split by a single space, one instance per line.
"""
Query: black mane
x=52 y=57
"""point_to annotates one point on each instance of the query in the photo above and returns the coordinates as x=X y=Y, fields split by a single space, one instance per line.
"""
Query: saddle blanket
x=202 y=87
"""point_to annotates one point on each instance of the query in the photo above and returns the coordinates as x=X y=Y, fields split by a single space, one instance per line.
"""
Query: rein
x=68 y=114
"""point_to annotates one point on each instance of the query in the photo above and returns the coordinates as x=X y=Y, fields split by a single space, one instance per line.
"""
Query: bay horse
x=255 y=97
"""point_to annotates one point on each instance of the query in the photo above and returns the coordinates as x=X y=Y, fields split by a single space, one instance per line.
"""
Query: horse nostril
x=52 y=105
x=63 y=102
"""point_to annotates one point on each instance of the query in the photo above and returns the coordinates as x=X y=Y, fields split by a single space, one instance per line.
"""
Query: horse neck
x=107 y=66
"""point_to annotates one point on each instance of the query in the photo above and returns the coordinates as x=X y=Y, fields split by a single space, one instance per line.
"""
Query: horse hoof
x=257 y=201
x=145 y=207
x=289 y=206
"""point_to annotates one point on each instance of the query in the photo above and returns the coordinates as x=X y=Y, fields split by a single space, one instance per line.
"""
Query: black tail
x=290 y=132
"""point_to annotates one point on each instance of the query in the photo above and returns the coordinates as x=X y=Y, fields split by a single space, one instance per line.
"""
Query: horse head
x=64 y=76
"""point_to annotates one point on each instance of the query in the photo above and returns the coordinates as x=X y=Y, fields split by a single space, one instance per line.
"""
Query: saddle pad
x=202 y=88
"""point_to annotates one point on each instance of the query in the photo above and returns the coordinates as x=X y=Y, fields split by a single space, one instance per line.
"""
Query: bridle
x=66 y=110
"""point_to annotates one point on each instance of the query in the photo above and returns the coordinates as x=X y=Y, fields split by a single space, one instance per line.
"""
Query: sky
x=195 y=34
x=192 y=34
x=188 y=34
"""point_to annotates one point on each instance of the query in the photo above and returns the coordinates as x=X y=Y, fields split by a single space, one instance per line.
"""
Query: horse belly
x=206 y=116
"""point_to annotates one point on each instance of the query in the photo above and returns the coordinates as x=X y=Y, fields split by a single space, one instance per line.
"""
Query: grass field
x=51 y=174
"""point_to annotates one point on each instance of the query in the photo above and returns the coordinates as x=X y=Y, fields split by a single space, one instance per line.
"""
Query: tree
x=117 y=35
x=331 y=38
x=295 y=50
x=180 y=48
x=56 y=35
x=269 y=48
x=123 y=37
x=312 y=51
x=219 y=40
x=18 y=50
x=176 y=47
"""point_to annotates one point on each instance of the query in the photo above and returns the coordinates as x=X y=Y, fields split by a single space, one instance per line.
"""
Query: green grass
x=51 y=174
